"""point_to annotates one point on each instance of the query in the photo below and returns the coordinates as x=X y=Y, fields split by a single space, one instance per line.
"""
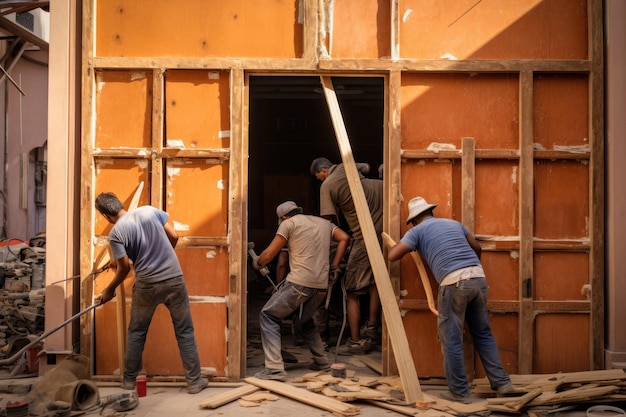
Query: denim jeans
x=300 y=304
x=146 y=297
x=457 y=303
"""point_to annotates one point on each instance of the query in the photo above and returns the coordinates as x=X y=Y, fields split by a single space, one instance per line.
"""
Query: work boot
x=198 y=386
x=128 y=384
x=355 y=348
x=506 y=389
x=320 y=365
x=371 y=331
x=273 y=374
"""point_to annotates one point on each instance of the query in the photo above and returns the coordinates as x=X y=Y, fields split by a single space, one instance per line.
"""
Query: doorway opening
x=289 y=126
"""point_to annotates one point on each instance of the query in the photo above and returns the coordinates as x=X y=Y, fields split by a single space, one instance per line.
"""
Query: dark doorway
x=289 y=126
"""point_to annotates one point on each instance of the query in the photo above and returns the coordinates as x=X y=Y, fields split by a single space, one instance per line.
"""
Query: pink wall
x=25 y=129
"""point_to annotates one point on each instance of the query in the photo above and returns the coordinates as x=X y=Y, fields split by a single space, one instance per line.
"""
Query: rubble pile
x=22 y=272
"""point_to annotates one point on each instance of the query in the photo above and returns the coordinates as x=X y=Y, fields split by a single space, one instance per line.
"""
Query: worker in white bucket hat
x=453 y=255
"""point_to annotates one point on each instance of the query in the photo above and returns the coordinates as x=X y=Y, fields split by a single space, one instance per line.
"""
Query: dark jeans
x=457 y=303
x=286 y=303
x=146 y=297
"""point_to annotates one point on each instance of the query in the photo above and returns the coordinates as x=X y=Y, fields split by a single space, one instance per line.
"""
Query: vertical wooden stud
x=526 y=215
x=468 y=167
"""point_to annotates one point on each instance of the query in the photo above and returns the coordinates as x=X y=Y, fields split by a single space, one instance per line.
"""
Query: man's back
x=335 y=194
x=139 y=234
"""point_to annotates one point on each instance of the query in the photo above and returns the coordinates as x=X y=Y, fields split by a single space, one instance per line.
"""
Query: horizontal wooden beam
x=512 y=154
x=295 y=64
x=504 y=306
x=146 y=153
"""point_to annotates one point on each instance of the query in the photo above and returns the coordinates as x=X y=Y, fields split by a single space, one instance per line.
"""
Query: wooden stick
x=422 y=272
x=391 y=311
x=222 y=398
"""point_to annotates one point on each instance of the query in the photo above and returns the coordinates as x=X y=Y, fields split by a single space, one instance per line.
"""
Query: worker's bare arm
x=272 y=250
x=398 y=251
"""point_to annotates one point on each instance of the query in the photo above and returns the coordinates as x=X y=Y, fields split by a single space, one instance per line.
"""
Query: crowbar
x=10 y=360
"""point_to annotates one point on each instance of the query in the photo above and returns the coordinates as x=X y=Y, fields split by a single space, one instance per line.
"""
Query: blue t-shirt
x=139 y=234
x=443 y=245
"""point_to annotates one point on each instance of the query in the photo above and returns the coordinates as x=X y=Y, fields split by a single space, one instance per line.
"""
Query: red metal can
x=142 y=382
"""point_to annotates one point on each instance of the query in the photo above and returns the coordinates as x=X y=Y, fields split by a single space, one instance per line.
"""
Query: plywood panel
x=205 y=270
x=425 y=347
x=161 y=356
x=466 y=29
x=561 y=111
x=197 y=109
x=501 y=271
x=482 y=106
x=121 y=177
x=497 y=198
x=561 y=343
x=433 y=180
x=198 y=28
x=197 y=192
x=561 y=200
x=123 y=103
x=560 y=276
x=362 y=30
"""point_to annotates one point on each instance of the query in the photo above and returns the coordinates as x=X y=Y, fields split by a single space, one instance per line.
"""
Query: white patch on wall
x=175 y=143
x=178 y=226
x=142 y=163
x=220 y=185
x=173 y=172
x=514 y=254
x=211 y=254
x=514 y=175
x=223 y=134
x=404 y=293
x=436 y=147
x=449 y=56
x=137 y=76
x=213 y=75
x=406 y=14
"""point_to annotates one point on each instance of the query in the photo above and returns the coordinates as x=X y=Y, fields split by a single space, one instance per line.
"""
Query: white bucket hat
x=286 y=207
x=417 y=206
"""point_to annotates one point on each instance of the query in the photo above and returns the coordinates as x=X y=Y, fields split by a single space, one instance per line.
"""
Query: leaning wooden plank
x=222 y=398
x=391 y=311
x=422 y=272
x=304 y=396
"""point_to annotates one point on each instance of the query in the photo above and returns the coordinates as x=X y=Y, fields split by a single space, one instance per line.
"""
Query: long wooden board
x=391 y=311
x=222 y=398
x=307 y=397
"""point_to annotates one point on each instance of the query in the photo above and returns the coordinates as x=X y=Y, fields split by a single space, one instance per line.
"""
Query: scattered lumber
x=222 y=398
x=317 y=400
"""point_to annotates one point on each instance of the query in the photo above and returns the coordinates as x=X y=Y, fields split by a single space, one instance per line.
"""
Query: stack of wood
x=562 y=389
x=535 y=393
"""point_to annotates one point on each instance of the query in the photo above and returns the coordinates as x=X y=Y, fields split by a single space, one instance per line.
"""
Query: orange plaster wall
x=492 y=29
x=198 y=28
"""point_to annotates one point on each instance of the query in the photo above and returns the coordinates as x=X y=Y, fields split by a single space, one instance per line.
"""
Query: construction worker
x=336 y=198
x=453 y=255
x=304 y=288
x=144 y=237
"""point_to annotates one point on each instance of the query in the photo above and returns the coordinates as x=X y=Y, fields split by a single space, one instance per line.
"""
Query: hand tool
x=264 y=270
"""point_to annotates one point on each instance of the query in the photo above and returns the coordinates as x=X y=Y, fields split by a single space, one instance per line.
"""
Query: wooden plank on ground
x=304 y=396
x=370 y=363
x=222 y=398
x=512 y=404
x=391 y=311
